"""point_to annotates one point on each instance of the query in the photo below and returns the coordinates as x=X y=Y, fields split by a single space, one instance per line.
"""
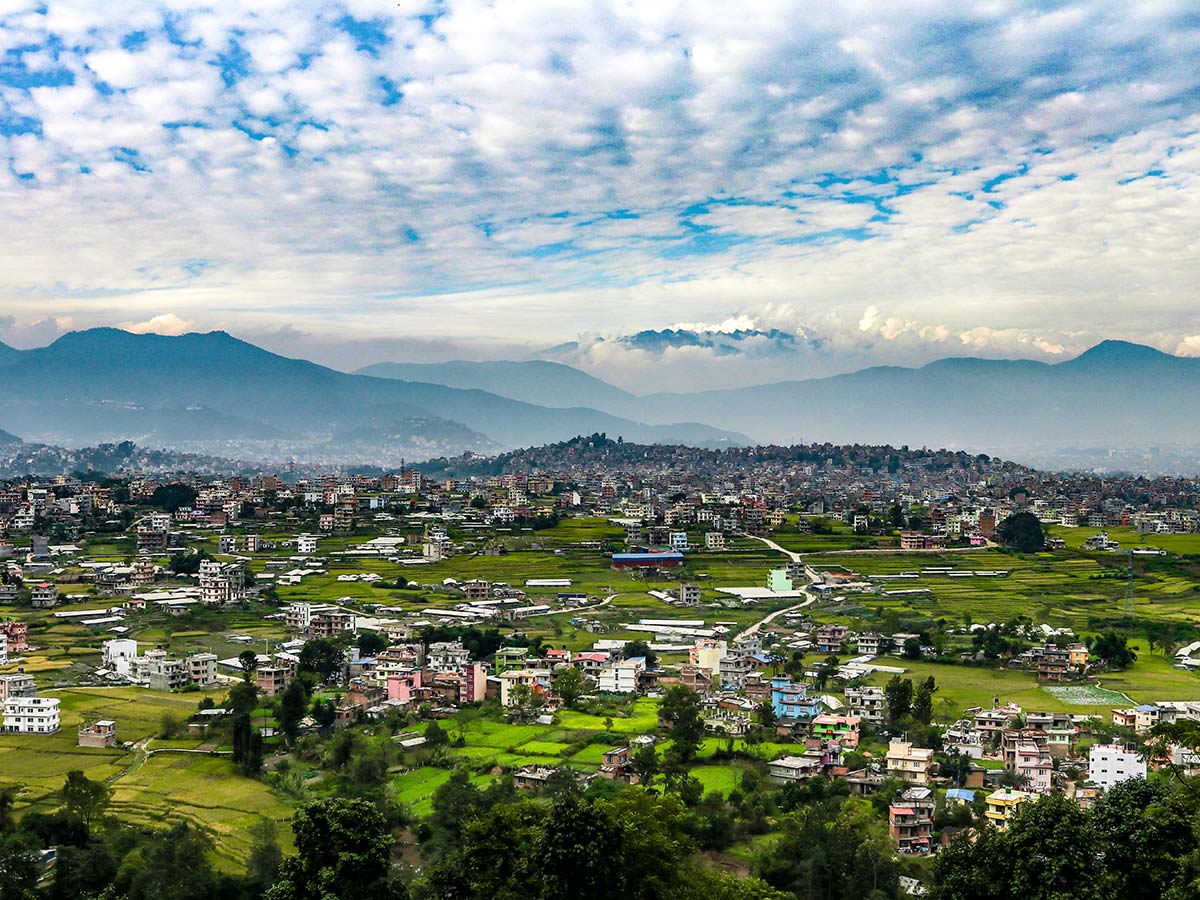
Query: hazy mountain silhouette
x=199 y=389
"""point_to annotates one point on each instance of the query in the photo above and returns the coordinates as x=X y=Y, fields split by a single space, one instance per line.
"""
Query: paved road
x=770 y=617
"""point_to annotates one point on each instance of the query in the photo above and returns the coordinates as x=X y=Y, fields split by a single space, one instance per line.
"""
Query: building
x=202 y=668
x=447 y=656
x=689 y=595
x=153 y=540
x=779 y=581
x=790 y=700
x=793 y=768
x=910 y=820
x=161 y=672
x=831 y=638
x=17 y=634
x=221 y=583
x=869 y=644
x=1053 y=664
x=17 y=685
x=1002 y=806
x=679 y=541
x=306 y=544
x=31 y=715
x=536 y=680
x=118 y=655
x=843 y=729
x=714 y=540
x=909 y=763
x=1110 y=764
x=98 y=734
x=868 y=703
x=271 y=680
x=622 y=677
x=43 y=596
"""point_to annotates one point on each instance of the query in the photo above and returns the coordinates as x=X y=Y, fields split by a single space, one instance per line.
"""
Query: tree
x=343 y=852
x=912 y=648
x=1052 y=852
x=1146 y=831
x=899 y=694
x=248 y=660
x=765 y=714
x=265 y=855
x=435 y=735
x=971 y=868
x=85 y=799
x=644 y=763
x=681 y=710
x=174 y=863
x=187 y=563
x=922 y=705
x=371 y=643
x=8 y=799
x=242 y=698
x=319 y=660
x=569 y=686
x=1023 y=532
x=172 y=497
x=1113 y=649
x=640 y=648
x=293 y=706
x=579 y=857
x=19 y=867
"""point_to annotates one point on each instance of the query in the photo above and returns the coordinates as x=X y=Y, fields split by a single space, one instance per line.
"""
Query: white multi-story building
x=119 y=654
x=3 y=649
x=31 y=715
x=447 y=656
x=1110 y=764
x=621 y=678
x=306 y=544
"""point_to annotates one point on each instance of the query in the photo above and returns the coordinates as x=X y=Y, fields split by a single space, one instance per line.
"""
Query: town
x=937 y=640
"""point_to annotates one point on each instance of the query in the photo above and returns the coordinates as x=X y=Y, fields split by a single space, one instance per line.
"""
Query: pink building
x=401 y=687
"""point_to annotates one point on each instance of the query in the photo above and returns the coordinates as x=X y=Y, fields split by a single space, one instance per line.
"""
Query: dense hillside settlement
x=775 y=672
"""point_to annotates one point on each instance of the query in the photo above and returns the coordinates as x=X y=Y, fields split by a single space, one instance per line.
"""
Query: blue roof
x=960 y=794
x=1146 y=707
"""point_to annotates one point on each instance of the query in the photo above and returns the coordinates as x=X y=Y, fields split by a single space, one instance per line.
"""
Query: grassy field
x=1128 y=538
x=1150 y=678
x=159 y=788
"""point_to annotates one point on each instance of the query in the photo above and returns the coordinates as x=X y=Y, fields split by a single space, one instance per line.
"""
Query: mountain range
x=1115 y=395
x=217 y=394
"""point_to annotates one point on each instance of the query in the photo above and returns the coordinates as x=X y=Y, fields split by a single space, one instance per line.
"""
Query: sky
x=795 y=188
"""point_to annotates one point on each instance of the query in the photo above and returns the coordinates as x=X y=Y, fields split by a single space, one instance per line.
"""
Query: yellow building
x=1003 y=804
x=912 y=764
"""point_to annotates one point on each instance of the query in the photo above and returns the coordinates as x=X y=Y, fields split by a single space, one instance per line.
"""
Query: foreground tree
x=85 y=799
x=681 y=710
x=343 y=852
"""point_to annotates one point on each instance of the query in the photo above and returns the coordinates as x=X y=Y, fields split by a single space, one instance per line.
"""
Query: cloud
x=899 y=181
x=1189 y=346
x=165 y=323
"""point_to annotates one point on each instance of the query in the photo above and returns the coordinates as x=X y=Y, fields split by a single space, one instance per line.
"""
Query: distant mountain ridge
x=534 y=381
x=1117 y=394
x=215 y=392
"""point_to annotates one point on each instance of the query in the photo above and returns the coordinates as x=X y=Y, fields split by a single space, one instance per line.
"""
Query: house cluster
x=155 y=669
x=24 y=711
